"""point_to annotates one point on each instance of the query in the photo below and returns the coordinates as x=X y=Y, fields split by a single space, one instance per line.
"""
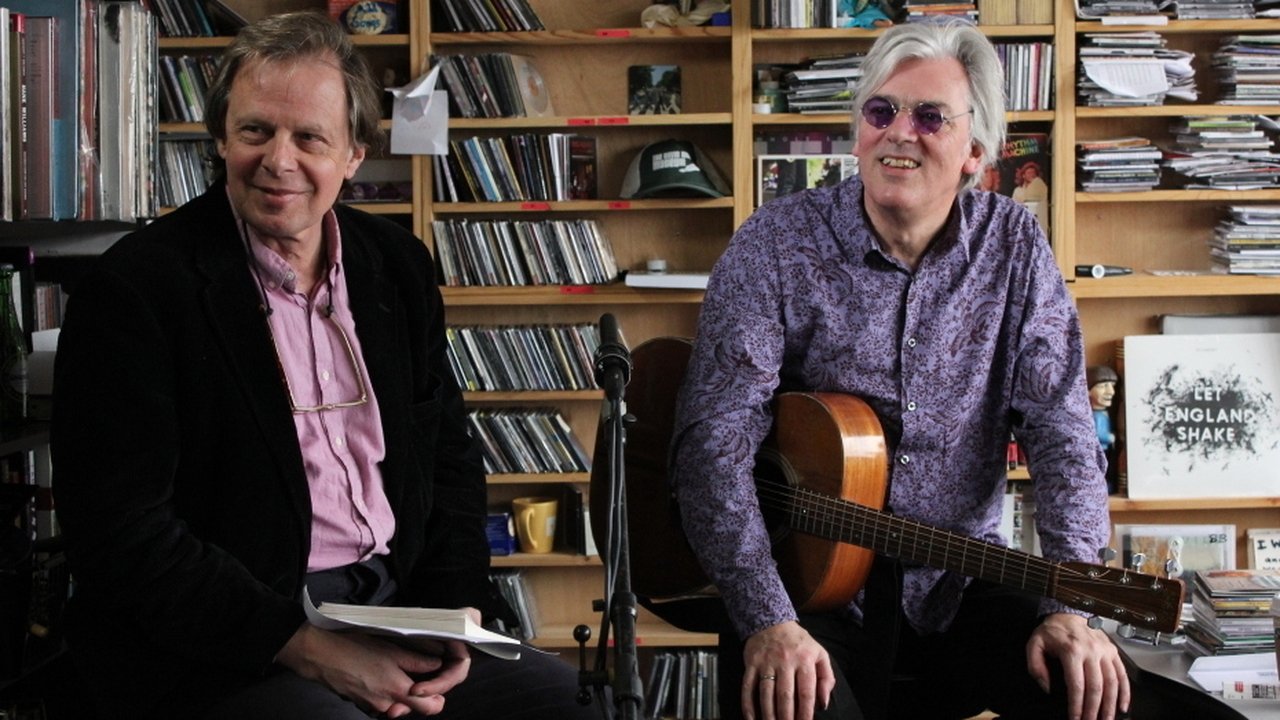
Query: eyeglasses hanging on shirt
x=328 y=312
x=355 y=365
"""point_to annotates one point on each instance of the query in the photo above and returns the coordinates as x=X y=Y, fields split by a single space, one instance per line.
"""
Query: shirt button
x=337 y=441
x=911 y=342
x=904 y=459
x=324 y=375
x=911 y=406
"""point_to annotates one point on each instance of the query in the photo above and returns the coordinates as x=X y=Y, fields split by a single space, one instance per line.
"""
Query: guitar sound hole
x=774 y=485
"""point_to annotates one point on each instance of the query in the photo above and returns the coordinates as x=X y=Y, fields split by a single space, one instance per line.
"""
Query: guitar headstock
x=1145 y=601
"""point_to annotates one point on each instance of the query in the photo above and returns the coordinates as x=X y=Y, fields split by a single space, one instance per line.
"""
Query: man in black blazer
x=252 y=397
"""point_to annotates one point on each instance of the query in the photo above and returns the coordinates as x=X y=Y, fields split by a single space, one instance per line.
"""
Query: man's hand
x=376 y=674
x=787 y=672
x=1097 y=684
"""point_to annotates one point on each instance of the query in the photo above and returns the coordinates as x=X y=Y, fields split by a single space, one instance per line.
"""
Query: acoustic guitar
x=821 y=481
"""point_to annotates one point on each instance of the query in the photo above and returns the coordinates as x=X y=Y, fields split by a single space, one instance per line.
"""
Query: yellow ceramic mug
x=535 y=520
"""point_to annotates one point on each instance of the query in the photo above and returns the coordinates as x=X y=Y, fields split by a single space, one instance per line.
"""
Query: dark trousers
x=885 y=670
x=535 y=687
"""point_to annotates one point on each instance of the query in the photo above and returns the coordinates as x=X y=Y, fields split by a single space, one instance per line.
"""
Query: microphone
x=612 y=359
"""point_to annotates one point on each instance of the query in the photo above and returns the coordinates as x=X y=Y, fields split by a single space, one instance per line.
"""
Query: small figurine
x=1102 y=390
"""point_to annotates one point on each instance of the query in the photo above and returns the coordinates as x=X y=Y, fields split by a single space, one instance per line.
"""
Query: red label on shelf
x=535 y=206
x=615 y=120
x=582 y=121
x=576 y=290
x=613 y=33
x=619 y=204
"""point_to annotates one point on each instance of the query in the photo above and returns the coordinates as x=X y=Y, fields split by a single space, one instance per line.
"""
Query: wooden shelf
x=1223 y=27
x=599 y=121
x=204 y=44
x=760 y=35
x=843 y=118
x=1145 y=285
x=585 y=37
x=578 y=206
x=536 y=478
x=1120 y=504
x=1083 y=113
x=541 y=396
x=1179 y=196
x=647 y=635
x=612 y=294
x=551 y=559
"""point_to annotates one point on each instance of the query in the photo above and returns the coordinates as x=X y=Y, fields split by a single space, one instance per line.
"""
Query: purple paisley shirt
x=982 y=338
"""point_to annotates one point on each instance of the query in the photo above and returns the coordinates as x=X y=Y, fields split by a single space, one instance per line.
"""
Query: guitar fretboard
x=842 y=521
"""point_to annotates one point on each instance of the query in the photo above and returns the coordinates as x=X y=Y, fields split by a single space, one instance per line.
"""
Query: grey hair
x=960 y=41
x=292 y=37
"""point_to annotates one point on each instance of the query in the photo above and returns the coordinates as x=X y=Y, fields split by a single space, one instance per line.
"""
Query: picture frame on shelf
x=1202 y=415
x=653 y=90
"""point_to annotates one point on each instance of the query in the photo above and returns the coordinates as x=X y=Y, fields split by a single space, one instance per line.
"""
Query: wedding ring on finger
x=770 y=678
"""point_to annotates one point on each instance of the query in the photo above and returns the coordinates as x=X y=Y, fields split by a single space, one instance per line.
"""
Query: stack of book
x=1223 y=153
x=1231 y=612
x=1133 y=69
x=1124 y=164
x=824 y=85
x=1248 y=68
x=1247 y=241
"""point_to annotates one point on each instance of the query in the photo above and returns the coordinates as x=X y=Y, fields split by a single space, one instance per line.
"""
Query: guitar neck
x=840 y=520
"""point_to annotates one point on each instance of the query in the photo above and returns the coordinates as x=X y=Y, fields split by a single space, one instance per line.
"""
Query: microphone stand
x=613 y=368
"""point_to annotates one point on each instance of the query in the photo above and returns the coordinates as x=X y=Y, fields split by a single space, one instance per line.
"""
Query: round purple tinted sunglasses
x=926 y=117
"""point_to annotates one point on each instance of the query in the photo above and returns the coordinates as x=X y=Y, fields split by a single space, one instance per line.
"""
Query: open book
x=409 y=624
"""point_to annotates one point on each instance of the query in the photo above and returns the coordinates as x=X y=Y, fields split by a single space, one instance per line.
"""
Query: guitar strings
x=914 y=541
x=815 y=512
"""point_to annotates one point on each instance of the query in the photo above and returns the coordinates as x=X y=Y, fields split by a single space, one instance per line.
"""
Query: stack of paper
x=1118 y=165
x=1247 y=241
x=1088 y=9
x=1232 y=612
x=1224 y=153
x=413 y=626
x=1214 y=9
x=1133 y=69
x=824 y=85
x=1249 y=69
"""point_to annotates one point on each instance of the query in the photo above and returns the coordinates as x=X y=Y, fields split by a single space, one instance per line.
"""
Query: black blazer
x=179 y=481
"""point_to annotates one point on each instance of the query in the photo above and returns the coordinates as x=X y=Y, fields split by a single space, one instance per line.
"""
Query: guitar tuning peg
x=1106 y=555
x=1137 y=561
x=1095 y=622
x=1126 y=631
